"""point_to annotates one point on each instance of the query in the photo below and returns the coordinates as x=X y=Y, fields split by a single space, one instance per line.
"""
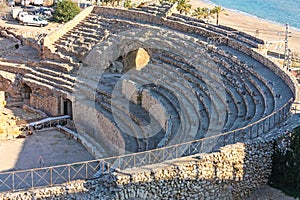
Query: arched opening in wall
x=67 y=107
x=25 y=93
x=136 y=59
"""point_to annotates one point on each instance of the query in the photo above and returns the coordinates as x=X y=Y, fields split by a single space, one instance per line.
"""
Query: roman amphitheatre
x=171 y=107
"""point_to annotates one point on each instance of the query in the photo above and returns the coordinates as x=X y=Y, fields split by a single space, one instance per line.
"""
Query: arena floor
x=45 y=148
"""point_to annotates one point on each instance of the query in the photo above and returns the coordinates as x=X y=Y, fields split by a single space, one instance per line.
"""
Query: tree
x=128 y=4
x=65 y=11
x=286 y=166
x=201 y=13
x=217 y=10
x=184 y=6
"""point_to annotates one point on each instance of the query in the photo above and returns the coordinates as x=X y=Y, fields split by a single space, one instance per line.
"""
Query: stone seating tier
x=247 y=93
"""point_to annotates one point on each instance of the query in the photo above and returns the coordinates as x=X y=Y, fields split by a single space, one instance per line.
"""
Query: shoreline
x=271 y=32
x=248 y=14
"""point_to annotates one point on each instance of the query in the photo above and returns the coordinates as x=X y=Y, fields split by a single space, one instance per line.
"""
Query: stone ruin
x=145 y=78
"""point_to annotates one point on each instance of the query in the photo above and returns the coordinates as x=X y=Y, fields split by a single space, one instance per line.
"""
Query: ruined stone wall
x=131 y=91
x=98 y=127
x=232 y=173
x=45 y=100
x=128 y=14
x=154 y=107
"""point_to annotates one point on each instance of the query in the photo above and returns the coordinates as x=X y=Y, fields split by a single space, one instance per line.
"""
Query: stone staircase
x=80 y=40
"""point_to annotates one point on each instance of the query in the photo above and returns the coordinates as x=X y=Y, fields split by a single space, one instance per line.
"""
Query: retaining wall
x=232 y=173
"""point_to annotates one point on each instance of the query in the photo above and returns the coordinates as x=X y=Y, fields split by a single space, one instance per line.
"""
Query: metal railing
x=44 y=123
x=55 y=175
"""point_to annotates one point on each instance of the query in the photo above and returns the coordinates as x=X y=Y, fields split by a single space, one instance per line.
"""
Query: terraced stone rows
x=225 y=32
x=245 y=89
x=243 y=104
x=173 y=112
x=154 y=9
x=187 y=128
x=246 y=104
x=129 y=121
x=267 y=97
x=209 y=105
x=94 y=29
x=204 y=108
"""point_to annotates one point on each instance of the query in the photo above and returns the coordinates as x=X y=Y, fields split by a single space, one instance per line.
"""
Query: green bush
x=65 y=11
x=286 y=167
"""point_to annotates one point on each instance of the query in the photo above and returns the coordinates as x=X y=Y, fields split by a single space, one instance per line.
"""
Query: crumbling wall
x=45 y=100
x=232 y=173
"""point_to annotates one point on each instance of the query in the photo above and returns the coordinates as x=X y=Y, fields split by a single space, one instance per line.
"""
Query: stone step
x=215 y=119
x=49 y=82
x=65 y=76
x=57 y=66
x=189 y=117
x=56 y=79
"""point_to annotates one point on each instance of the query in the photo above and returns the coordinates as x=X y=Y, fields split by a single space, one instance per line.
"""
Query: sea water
x=280 y=11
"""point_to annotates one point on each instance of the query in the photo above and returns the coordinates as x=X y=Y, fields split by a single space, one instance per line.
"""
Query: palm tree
x=201 y=13
x=197 y=13
x=217 y=10
x=184 y=6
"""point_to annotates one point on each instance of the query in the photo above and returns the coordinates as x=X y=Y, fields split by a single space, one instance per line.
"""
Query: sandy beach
x=267 y=30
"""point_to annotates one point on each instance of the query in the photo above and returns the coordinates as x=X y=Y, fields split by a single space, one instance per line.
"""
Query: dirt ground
x=45 y=148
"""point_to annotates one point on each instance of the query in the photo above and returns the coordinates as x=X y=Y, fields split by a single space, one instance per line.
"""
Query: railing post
x=13 y=181
x=86 y=169
x=69 y=174
x=51 y=173
x=233 y=136
x=31 y=175
x=201 y=149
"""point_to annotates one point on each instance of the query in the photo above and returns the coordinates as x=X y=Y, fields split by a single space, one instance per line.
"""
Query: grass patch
x=286 y=166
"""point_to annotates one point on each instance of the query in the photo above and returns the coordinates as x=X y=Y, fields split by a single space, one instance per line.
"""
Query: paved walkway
x=46 y=148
